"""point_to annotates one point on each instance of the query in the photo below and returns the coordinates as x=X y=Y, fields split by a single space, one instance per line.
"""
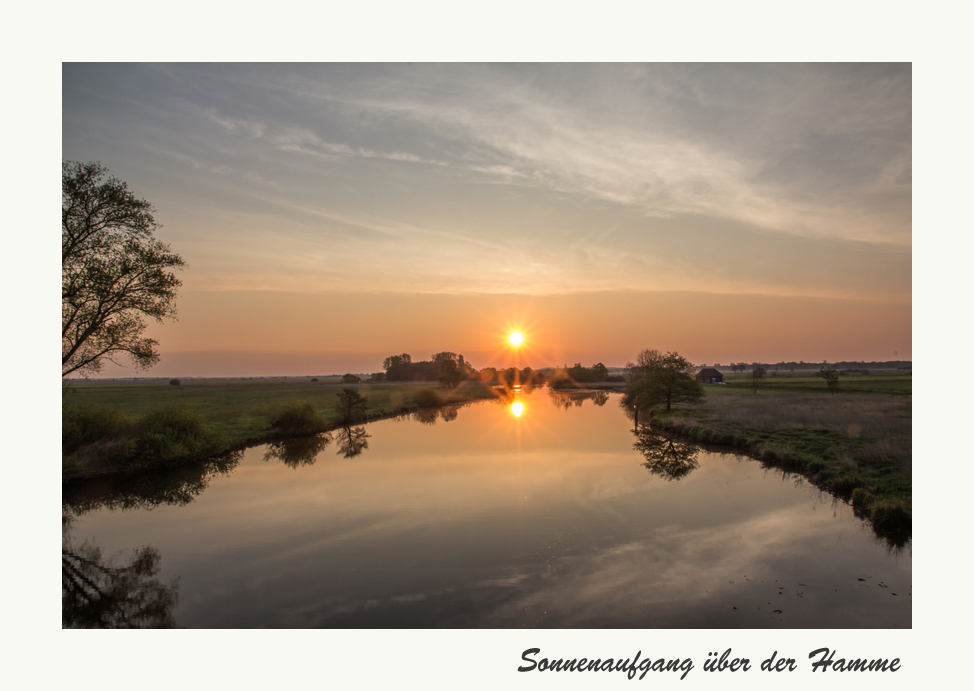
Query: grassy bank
x=893 y=382
x=123 y=427
x=857 y=445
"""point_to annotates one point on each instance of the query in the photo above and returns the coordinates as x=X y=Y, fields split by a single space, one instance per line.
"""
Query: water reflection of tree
x=570 y=399
x=95 y=593
x=173 y=487
x=427 y=416
x=565 y=400
x=297 y=451
x=665 y=457
x=352 y=441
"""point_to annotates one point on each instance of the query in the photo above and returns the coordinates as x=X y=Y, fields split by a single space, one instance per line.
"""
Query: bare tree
x=114 y=273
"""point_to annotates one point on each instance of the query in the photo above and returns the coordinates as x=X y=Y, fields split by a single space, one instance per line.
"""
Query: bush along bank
x=857 y=470
x=98 y=441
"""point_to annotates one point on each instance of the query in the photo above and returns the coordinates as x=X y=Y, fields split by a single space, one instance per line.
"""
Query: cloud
x=559 y=140
x=783 y=179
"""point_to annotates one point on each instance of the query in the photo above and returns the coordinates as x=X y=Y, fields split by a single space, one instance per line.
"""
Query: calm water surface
x=561 y=517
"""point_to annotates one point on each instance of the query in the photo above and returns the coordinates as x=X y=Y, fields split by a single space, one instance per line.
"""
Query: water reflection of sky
x=484 y=518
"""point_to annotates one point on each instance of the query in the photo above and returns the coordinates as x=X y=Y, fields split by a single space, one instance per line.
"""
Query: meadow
x=205 y=417
x=856 y=442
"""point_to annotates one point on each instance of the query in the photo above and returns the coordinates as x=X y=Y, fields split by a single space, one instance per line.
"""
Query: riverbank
x=122 y=428
x=857 y=446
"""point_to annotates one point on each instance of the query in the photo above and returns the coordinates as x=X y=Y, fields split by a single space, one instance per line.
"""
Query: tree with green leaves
x=661 y=379
x=398 y=367
x=114 y=273
x=449 y=373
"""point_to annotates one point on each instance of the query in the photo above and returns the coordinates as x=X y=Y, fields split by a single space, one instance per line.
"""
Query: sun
x=517 y=409
x=515 y=338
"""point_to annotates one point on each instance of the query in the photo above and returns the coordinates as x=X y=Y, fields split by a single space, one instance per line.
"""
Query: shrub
x=351 y=378
x=314 y=379
x=174 y=382
x=846 y=484
x=426 y=398
x=84 y=425
x=297 y=418
x=860 y=497
x=892 y=514
x=816 y=467
x=560 y=381
x=172 y=434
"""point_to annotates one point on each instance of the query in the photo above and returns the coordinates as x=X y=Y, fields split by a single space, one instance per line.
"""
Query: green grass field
x=896 y=382
x=856 y=442
x=240 y=410
x=119 y=427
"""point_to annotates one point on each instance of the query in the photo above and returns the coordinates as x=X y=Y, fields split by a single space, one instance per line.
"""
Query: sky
x=331 y=215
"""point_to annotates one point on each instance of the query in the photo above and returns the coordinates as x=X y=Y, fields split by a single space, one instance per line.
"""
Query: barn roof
x=709 y=371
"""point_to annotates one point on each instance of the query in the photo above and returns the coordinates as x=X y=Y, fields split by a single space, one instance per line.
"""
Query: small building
x=709 y=375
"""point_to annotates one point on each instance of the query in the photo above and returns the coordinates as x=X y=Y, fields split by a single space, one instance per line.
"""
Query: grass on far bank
x=894 y=382
x=857 y=445
x=104 y=423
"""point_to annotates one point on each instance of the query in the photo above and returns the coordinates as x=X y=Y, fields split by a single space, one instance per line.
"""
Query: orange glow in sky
x=333 y=215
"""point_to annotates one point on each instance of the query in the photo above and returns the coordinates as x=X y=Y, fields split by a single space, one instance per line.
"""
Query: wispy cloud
x=541 y=138
x=539 y=179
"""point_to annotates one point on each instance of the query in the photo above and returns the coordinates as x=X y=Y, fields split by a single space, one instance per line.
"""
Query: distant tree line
x=802 y=365
x=568 y=376
x=512 y=376
x=447 y=368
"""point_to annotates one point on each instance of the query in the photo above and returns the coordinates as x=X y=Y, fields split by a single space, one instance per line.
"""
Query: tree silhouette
x=831 y=377
x=114 y=273
x=756 y=375
x=351 y=405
